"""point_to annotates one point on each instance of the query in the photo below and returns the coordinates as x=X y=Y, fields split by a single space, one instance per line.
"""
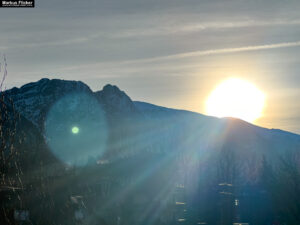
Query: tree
x=227 y=172
x=282 y=184
x=10 y=170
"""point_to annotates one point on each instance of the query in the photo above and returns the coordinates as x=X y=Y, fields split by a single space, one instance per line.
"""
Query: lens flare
x=75 y=130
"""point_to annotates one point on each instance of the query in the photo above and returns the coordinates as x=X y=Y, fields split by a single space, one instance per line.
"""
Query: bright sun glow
x=236 y=98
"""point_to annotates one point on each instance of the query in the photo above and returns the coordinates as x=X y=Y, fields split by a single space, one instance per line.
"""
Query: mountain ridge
x=109 y=90
x=134 y=126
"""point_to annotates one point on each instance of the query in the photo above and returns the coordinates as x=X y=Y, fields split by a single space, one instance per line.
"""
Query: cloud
x=43 y=44
x=198 y=27
x=220 y=51
x=115 y=68
x=155 y=30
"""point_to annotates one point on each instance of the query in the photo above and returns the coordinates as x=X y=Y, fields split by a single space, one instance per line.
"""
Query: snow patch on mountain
x=33 y=100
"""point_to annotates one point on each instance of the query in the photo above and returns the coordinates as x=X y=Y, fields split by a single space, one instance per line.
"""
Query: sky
x=167 y=52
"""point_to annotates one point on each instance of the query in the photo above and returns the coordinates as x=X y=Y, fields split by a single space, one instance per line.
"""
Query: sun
x=236 y=98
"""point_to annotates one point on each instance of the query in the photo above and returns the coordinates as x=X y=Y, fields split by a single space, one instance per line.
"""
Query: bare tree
x=282 y=183
x=228 y=168
x=10 y=169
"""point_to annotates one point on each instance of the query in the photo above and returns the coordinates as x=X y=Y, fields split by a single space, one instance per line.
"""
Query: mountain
x=129 y=127
x=135 y=163
x=219 y=132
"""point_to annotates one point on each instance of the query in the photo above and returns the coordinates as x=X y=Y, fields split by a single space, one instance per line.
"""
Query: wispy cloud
x=221 y=51
x=161 y=30
x=198 y=27
x=43 y=44
x=140 y=64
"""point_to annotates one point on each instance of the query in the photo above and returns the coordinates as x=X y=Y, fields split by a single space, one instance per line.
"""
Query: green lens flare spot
x=75 y=130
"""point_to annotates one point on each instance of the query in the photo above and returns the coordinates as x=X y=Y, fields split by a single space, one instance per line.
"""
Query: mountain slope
x=125 y=154
x=134 y=127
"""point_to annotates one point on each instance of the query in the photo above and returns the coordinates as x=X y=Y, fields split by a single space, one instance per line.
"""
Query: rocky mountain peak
x=108 y=88
x=111 y=96
x=33 y=100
